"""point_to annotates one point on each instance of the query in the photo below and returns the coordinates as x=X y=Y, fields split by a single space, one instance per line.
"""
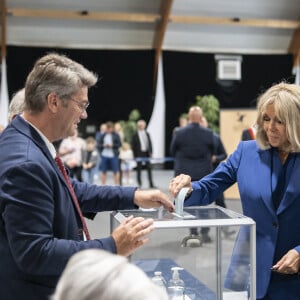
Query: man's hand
x=131 y=234
x=178 y=183
x=153 y=198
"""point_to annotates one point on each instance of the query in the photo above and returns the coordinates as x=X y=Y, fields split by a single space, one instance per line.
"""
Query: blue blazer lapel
x=293 y=188
x=264 y=186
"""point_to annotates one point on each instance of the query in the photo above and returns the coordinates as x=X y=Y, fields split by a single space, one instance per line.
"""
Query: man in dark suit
x=142 y=149
x=192 y=147
x=41 y=223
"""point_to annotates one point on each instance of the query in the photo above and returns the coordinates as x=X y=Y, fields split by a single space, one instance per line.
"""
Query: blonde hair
x=286 y=100
x=96 y=274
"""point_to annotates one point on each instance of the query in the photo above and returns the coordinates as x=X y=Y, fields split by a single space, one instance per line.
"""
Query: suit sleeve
x=35 y=229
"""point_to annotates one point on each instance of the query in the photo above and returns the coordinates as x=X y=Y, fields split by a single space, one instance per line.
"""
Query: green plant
x=129 y=126
x=211 y=109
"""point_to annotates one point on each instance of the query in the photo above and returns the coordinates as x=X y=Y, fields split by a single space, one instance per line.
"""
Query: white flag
x=3 y=95
x=156 y=126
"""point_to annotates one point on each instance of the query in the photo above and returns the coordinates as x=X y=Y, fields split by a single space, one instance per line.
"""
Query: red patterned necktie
x=74 y=197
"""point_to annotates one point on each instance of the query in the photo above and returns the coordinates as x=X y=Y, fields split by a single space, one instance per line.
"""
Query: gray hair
x=17 y=104
x=286 y=100
x=55 y=73
x=96 y=274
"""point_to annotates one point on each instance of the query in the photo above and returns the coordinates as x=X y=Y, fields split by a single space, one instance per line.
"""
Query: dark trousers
x=76 y=173
x=139 y=168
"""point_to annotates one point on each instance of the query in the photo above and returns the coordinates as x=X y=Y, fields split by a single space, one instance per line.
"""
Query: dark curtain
x=126 y=80
x=187 y=75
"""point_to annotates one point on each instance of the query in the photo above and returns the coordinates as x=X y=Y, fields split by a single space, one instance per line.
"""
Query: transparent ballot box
x=221 y=269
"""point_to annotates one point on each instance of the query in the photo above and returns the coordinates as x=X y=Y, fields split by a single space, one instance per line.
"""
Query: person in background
x=119 y=130
x=192 y=148
x=142 y=149
x=249 y=133
x=127 y=162
x=99 y=133
x=90 y=159
x=16 y=105
x=110 y=143
x=182 y=121
x=70 y=150
x=267 y=171
x=96 y=274
x=41 y=208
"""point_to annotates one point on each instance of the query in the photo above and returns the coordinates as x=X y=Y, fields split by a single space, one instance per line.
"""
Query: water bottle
x=159 y=280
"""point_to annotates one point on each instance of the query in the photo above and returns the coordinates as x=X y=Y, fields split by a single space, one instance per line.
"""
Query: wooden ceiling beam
x=295 y=42
x=271 y=23
x=3 y=30
x=294 y=47
x=163 y=18
x=161 y=27
x=83 y=15
x=165 y=11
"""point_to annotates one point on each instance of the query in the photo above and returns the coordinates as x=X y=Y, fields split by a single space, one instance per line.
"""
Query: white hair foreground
x=96 y=274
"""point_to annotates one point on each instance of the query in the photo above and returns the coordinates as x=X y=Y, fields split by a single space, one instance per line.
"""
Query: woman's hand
x=178 y=183
x=289 y=263
x=153 y=198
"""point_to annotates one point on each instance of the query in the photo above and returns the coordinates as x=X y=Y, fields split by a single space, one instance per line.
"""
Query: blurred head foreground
x=96 y=274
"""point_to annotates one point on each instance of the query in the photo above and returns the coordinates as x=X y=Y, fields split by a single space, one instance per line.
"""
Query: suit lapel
x=292 y=188
x=23 y=127
x=264 y=185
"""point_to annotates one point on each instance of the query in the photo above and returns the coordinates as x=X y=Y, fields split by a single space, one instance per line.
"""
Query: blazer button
x=274 y=224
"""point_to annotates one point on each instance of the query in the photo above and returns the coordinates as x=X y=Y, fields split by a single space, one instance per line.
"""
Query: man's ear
x=53 y=102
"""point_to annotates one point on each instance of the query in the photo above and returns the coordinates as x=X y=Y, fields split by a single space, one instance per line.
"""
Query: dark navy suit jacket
x=136 y=145
x=39 y=226
x=192 y=147
x=277 y=231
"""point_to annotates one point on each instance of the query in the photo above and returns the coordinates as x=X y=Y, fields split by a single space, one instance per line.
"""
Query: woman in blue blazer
x=267 y=172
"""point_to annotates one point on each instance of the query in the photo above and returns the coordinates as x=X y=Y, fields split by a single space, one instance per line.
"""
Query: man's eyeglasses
x=82 y=105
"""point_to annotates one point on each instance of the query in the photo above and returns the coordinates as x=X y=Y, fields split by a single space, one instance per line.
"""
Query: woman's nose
x=272 y=125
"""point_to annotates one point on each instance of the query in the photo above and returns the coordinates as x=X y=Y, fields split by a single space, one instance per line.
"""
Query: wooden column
x=165 y=10
x=3 y=29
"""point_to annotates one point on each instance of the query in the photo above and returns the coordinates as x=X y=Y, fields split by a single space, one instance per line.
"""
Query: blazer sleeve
x=206 y=190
